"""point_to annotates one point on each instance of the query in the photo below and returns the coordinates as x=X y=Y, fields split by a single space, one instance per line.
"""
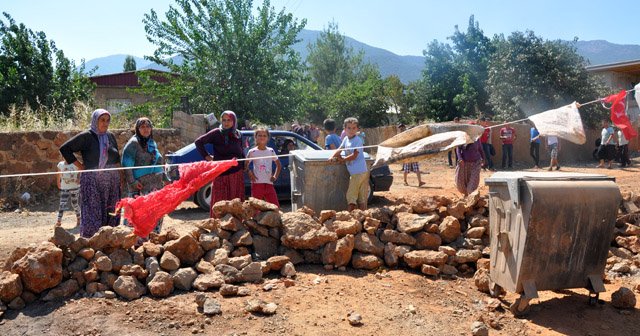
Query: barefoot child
x=68 y=180
x=261 y=174
x=358 y=191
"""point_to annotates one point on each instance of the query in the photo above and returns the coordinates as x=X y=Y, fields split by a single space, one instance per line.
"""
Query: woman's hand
x=252 y=176
x=274 y=178
x=208 y=158
x=79 y=165
x=137 y=185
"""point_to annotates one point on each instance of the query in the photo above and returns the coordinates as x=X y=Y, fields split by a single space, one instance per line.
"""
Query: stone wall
x=37 y=152
x=191 y=126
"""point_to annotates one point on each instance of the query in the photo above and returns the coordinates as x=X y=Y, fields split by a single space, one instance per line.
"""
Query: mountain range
x=408 y=68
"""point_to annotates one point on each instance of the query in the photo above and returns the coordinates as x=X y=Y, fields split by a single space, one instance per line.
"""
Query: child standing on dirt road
x=68 y=180
x=358 y=191
x=261 y=175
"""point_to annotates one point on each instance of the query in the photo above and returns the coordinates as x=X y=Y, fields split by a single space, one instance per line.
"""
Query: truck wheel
x=203 y=197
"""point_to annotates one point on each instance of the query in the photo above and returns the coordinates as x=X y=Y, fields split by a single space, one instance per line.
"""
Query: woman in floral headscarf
x=142 y=150
x=99 y=191
x=227 y=144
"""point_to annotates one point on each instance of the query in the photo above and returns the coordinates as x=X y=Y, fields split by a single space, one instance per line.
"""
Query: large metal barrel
x=550 y=230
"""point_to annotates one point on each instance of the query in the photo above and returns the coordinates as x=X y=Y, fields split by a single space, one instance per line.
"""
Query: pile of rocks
x=624 y=254
x=438 y=236
x=247 y=241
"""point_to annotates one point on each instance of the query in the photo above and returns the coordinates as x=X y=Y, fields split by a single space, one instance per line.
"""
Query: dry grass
x=27 y=119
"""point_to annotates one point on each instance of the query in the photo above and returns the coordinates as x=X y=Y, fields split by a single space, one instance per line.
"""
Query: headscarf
x=143 y=141
x=103 y=138
x=233 y=130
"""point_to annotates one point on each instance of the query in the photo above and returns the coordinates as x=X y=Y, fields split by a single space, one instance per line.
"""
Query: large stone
x=251 y=273
x=409 y=222
x=275 y=263
x=288 y=270
x=205 y=267
x=478 y=328
x=229 y=290
x=371 y=225
x=87 y=253
x=211 y=307
x=151 y=249
x=40 y=268
x=230 y=223
x=631 y=243
x=457 y=210
x=479 y=221
x=152 y=266
x=240 y=262
x=383 y=214
x=15 y=255
x=77 y=265
x=265 y=247
x=10 y=286
x=424 y=205
x=64 y=290
x=161 y=285
x=129 y=287
x=623 y=298
x=209 y=241
x=230 y=273
x=301 y=231
x=134 y=270
x=109 y=237
x=103 y=264
x=390 y=255
x=108 y=279
x=232 y=207
x=368 y=244
x=240 y=252
x=270 y=219
x=430 y=270
x=465 y=256
x=343 y=250
x=241 y=238
x=119 y=258
x=184 y=277
x=169 y=261
x=449 y=229
x=207 y=281
x=421 y=257
x=217 y=257
x=475 y=232
x=427 y=241
x=343 y=228
x=258 y=306
x=62 y=237
x=482 y=280
x=392 y=236
x=261 y=205
x=186 y=248
x=326 y=215
x=257 y=229
x=365 y=261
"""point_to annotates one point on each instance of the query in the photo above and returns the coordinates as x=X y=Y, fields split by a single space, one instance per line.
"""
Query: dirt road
x=394 y=302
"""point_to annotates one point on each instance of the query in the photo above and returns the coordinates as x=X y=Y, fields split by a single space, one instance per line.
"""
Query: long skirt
x=467 y=176
x=99 y=193
x=226 y=188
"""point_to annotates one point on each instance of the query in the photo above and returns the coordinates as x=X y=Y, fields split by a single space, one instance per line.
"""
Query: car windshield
x=282 y=144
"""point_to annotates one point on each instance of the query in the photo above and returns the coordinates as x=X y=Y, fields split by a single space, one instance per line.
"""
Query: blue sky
x=90 y=29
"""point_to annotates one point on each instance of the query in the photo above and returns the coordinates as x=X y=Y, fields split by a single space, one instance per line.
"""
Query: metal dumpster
x=549 y=231
x=318 y=183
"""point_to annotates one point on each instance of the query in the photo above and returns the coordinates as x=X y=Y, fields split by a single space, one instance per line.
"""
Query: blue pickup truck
x=281 y=141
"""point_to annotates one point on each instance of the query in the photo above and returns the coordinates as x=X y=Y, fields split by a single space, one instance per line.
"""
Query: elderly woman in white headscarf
x=99 y=191
x=227 y=145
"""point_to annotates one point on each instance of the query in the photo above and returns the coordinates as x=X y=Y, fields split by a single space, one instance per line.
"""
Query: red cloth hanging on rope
x=618 y=114
x=143 y=212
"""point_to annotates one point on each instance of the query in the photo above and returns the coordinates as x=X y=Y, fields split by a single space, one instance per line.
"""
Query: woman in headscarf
x=470 y=158
x=99 y=191
x=142 y=150
x=227 y=144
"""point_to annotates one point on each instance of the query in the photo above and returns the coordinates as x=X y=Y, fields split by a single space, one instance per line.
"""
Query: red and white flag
x=619 y=115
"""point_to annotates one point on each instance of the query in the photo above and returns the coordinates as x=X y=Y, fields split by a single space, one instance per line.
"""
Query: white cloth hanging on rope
x=637 y=94
x=563 y=122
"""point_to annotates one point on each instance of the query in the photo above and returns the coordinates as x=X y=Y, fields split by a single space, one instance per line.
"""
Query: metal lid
x=503 y=177
x=316 y=155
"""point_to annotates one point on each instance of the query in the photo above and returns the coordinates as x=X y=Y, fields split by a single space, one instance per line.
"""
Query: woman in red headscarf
x=227 y=145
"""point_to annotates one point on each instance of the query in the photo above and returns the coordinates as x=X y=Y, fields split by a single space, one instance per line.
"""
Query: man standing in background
x=485 y=140
x=508 y=136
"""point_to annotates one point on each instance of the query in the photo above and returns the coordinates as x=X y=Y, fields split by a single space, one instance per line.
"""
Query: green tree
x=233 y=58
x=341 y=84
x=439 y=85
x=528 y=75
x=129 y=64
x=473 y=52
x=28 y=75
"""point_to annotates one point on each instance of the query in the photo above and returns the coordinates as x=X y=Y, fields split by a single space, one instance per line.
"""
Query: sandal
x=406 y=183
x=421 y=184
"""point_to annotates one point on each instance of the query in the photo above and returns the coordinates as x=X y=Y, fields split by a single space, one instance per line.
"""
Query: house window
x=118 y=105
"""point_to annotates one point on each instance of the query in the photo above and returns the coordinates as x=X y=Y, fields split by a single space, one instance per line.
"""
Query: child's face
x=262 y=138
x=351 y=129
